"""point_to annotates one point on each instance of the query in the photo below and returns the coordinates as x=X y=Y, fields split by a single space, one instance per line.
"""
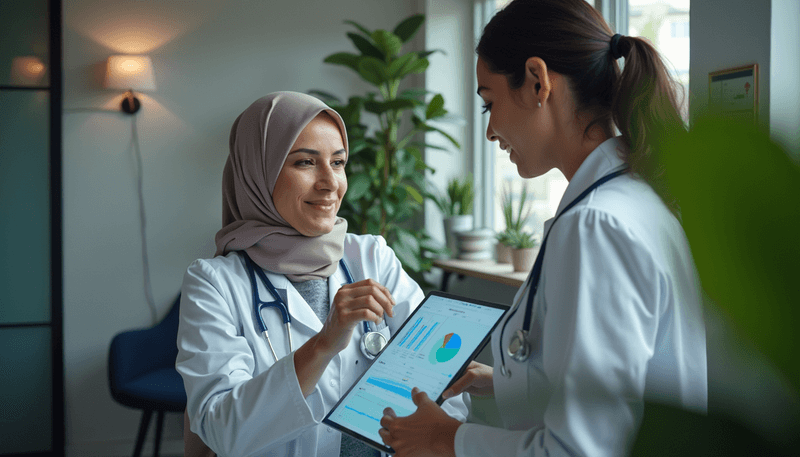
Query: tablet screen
x=429 y=351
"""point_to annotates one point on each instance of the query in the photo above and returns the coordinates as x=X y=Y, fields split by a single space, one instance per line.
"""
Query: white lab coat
x=617 y=320
x=240 y=401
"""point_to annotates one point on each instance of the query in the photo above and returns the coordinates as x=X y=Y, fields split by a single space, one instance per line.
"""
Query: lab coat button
x=333 y=383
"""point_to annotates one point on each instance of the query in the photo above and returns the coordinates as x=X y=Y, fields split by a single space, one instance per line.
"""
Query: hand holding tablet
x=430 y=351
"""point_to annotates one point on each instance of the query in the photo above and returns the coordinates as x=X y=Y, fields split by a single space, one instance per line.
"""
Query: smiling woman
x=262 y=364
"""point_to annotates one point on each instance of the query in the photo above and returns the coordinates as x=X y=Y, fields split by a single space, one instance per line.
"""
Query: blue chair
x=142 y=375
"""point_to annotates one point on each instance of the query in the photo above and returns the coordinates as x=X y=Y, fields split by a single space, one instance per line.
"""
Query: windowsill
x=489 y=270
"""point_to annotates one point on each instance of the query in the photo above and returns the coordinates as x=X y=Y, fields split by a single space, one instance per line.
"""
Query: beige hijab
x=261 y=138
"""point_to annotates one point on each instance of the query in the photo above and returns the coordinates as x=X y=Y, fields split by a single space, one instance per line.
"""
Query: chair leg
x=159 y=428
x=143 y=425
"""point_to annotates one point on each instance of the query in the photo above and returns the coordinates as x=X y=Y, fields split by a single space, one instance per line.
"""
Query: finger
x=375 y=289
x=354 y=316
x=373 y=304
x=458 y=387
x=389 y=412
x=385 y=436
x=419 y=396
x=371 y=282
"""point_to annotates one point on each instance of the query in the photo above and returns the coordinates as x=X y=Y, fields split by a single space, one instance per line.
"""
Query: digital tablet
x=430 y=350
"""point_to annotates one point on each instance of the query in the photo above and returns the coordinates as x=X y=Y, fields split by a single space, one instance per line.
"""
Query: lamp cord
x=148 y=290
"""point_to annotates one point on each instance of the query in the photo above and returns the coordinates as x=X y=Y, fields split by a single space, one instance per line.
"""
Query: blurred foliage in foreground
x=739 y=197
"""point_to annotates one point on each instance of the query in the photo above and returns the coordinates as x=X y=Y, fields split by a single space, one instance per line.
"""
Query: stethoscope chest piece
x=519 y=348
x=372 y=343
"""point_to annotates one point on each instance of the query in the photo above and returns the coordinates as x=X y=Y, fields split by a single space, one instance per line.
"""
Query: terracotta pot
x=523 y=259
x=503 y=253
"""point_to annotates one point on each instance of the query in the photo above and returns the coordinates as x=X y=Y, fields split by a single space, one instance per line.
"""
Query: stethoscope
x=372 y=342
x=519 y=348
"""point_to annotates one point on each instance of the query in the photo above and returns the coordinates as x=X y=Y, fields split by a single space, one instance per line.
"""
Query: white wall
x=726 y=34
x=211 y=60
x=448 y=28
x=784 y=103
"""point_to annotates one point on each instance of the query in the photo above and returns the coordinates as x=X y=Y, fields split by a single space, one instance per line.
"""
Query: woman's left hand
x=427 y=432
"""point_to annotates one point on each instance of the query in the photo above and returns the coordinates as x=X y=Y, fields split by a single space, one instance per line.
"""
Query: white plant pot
x=453 y=224
x=475 y=244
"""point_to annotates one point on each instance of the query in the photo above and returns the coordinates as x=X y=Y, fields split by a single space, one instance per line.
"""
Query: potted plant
x=515 y=221
x=456 y=207
x=385 y=169
x=523 y=250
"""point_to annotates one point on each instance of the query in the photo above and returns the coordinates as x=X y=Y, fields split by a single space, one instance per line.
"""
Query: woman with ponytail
x=610 y=316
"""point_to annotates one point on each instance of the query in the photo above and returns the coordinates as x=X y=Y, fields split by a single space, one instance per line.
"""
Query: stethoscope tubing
x=522 y=352
x=284 y=310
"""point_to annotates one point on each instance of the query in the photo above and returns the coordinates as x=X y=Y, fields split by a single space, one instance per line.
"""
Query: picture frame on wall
x=733 y=93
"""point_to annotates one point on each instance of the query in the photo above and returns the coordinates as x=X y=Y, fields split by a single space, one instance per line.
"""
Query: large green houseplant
x=386 y=171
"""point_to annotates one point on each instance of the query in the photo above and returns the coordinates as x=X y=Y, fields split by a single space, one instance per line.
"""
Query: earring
x=539 y=103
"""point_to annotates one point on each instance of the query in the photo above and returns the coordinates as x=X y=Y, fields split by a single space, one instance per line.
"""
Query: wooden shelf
x=489 y=270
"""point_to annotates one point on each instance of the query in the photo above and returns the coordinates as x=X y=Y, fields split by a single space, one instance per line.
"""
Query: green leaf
x=425 y=54
x=395 y=69
x=409 y=26
x=358 y=186
x=739 y=196
x=447 y=135
x=415 y=93
x=435 y=107
x=359 y=27
x=326 y=97
x=428 y=146
x=372 y=70
x=406 y=164
x=414 y=194
x=380 y=159
x=415 y=152
x=389 y=105
x=346 y=59
x=387 y=42
x=366 y=48
x=418 y=66
x=407 y=250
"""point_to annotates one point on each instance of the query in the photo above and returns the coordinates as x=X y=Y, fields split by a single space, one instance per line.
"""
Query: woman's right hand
x=361 y=301
x=477 y=380
x=365 y=300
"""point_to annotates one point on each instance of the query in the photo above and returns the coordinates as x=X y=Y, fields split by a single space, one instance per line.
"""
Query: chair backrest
x=136 y=352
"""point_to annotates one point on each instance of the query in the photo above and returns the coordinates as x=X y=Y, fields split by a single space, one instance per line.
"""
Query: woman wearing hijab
x=283 y=183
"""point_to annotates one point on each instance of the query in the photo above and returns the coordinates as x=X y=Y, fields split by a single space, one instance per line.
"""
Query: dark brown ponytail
x=646 y=110
x=574 y=40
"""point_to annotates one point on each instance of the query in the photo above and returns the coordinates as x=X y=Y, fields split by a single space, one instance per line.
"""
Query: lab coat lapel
x=301 y=312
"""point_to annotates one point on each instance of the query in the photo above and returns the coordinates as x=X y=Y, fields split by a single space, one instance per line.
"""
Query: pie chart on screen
x=445 y=349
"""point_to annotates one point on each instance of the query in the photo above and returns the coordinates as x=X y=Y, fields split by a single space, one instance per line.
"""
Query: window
x=679 y=29
x=664 y=22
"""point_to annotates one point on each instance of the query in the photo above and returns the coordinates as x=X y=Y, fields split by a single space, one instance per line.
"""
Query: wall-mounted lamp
x=27 y=70
x=128 y=72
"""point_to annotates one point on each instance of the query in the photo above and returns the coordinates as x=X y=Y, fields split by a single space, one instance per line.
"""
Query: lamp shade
x=27 y=70
x=130 y=72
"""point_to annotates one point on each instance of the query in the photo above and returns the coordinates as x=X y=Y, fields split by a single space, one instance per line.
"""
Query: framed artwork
x=733 y=93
